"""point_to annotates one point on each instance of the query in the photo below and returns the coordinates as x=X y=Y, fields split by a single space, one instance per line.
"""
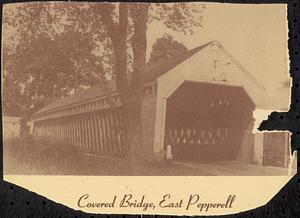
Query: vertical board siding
x=96 y=127
x=103 y=132
x=99 y=132
x=81 y=133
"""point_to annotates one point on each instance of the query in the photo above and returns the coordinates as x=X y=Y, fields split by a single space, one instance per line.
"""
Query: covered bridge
x=200 y=104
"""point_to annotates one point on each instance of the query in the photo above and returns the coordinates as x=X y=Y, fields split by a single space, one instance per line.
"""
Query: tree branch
x=118 y=35
x=139 y=45
x=121 y=54
x=105 y=11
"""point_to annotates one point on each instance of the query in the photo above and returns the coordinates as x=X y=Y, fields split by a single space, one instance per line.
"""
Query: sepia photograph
x=144 y=89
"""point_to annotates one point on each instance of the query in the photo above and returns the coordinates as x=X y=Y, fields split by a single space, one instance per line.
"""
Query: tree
x=178 y=16
x=46 y=57
x=119 y=30
x=13 y=101
x=164 y=48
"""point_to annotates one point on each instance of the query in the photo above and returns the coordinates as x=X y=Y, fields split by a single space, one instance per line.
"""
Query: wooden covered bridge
x=200 y=104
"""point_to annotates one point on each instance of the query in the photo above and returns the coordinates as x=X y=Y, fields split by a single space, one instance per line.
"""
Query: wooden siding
x=96 y=126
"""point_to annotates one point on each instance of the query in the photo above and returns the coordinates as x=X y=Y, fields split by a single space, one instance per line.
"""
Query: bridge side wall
x=98 y=132
x=97 y=126
x=148 y=125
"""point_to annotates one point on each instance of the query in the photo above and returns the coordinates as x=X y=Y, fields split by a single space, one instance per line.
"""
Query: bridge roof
x=151 y=73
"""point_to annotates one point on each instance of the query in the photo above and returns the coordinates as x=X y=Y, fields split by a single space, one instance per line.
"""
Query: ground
x=102 y=165
x=234 y=168
x=32 y=156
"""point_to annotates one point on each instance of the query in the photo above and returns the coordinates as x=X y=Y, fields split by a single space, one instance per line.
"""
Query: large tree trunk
x=133 y=142
x=130 y=91
x=139 y=44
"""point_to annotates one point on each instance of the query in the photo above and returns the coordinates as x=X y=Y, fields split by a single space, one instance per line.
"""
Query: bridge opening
x=207 y=122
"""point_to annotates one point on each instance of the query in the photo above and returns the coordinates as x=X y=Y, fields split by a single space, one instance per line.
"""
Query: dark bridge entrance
x=207 y=122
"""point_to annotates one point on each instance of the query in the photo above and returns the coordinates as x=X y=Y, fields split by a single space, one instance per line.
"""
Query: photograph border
x=285 y=202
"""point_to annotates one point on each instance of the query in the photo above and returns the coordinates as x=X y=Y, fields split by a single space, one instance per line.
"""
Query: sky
x=256 y=35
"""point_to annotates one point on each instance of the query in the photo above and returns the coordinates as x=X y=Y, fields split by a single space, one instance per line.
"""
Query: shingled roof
x=151 y=73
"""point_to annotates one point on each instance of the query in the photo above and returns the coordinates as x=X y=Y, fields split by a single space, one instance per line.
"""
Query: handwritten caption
x=192 y=201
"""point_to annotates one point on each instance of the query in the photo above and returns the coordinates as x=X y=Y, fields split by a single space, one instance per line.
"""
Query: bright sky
x=256 y=35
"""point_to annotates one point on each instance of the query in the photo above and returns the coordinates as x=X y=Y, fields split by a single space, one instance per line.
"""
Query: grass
x=29 y=155
x=41 y=156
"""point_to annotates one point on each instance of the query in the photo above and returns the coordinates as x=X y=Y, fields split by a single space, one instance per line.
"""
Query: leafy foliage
x=47 y=56
x=181 y=17
x=164 y=48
